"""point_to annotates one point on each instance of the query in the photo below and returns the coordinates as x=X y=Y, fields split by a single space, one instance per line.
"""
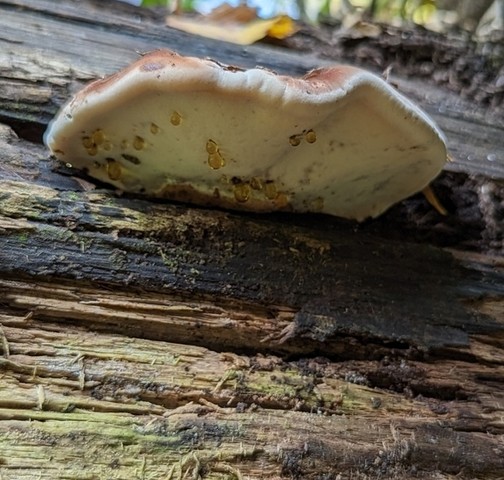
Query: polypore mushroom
x=339 y=140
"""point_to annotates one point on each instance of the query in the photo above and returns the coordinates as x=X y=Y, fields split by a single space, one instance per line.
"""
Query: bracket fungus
x=339 y=140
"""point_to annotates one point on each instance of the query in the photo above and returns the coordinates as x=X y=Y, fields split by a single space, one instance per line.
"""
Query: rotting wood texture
x=144 y=339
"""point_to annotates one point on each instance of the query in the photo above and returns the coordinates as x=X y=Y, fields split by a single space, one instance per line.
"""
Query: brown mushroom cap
x=339 y=140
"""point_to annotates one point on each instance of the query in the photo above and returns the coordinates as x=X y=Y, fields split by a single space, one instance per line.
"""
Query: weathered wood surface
x=81 y=405
x=334 y=275
x=151 y=340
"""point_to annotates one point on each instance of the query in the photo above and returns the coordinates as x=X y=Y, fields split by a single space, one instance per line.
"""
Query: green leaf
x=155 y=3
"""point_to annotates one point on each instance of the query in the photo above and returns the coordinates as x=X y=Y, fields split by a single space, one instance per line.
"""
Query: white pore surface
x=372 y=147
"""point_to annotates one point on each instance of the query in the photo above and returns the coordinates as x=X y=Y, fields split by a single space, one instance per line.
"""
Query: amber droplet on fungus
x=175 y=119
x=241 y=192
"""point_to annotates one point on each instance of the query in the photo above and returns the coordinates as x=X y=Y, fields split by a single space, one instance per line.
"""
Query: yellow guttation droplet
x=113 y=170
x=138 y=143
x=175 y=119
x=310 y=136
x=282 y=200
x=294 y=140
x=241 y=192
x=87 y=142
x=98 y=137
x=215 y=160
x=270 y=191
x=211 y=147
x=256 y=183
x=154 y=128
x=92 y=150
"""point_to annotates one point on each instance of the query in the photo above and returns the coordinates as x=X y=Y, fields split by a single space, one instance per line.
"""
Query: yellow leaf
x=227 y=13
x=283 y=27
x=238 y=25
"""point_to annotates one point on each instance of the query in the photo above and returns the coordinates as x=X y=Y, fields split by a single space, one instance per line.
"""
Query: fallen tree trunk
x=143 y=339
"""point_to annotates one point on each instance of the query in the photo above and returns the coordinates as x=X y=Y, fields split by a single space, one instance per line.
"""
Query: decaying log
x=77 y=404
x=143 y=339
